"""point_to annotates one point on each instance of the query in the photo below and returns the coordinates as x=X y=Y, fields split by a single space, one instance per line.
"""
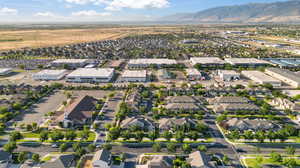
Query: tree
x=22 y=157
x=114 y=133
x=70 y=135
x=167 y=135
x=193 y=135
x=202 y=148
x=10 y=147
x=171 y=147
x=290 y=163
x=15 y=136
x=36 y=158
x=152 y=135
x=76 y=146
x=139 y=136
x=107 y=146
x=221 y=118
x=56 y=135
x=91 y=147
x=44 y=136
x=225 y=159
x=290 y=150
x=156 y=147
x=186 y=148
x=179 y=136
x=123 y=157
x=276 y=157
x=80 y=152
x=63 y=147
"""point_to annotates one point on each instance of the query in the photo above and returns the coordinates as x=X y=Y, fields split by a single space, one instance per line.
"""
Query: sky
x=103 y=10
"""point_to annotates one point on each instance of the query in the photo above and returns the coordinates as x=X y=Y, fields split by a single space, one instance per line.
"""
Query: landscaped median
x=273 y=159
x=56 y=136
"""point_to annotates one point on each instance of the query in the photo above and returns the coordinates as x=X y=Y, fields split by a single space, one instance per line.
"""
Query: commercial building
x=49 y=75
x=246 y=62
x=261 y=78
x=207 y=61
x=193 y=74
x=145 y=63
x=284 y=75
x=5 y=71
x=228 y=75
x=134 y=76
x=71 y=63
x=91 y=75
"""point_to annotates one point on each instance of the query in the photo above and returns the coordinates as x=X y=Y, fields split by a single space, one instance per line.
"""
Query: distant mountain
x=287 y=11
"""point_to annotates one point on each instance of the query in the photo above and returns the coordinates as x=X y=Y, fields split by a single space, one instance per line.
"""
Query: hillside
x=288 y=11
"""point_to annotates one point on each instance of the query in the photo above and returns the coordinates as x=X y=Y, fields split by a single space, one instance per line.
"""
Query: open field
x=15 y=39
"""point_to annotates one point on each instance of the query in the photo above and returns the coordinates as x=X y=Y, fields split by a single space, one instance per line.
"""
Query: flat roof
x=92 y=72
x=134 y=74
x=3 y=70
x=229 y=72
x=192 y=71
x=257 y=75
x=70 y=61
x=50 y=72
x=152 y=61
x=207 y=60
x=286 y=73
x=245 y=61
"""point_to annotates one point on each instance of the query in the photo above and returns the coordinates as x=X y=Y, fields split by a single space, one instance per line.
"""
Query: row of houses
x=232 y=104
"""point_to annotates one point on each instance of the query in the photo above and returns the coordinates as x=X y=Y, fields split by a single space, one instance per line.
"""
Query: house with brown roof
x=167 y=124
x=184 y=103
x=141 y=122
x=250 y=124
x=158 y=161
x=200 y=160
x=79 y=112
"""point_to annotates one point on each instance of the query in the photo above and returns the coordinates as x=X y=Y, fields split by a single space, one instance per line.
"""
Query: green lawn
x=253 y=162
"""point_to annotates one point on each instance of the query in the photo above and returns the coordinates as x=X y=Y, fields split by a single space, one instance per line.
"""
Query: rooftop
x=152 y=61
x=207 y=60
x=50 y=72
x=192 y=71
x=134 y=74
x=4 y=70
x=286 y=73
x=70 y=61
x=260 y=76
x=228 y=72
x=245 y=61
x=92 y=72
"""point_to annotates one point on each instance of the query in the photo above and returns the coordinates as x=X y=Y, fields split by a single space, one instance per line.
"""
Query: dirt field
x=40 y=38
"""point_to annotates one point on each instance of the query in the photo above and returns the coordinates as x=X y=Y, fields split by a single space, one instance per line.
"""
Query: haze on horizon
x=15 y=11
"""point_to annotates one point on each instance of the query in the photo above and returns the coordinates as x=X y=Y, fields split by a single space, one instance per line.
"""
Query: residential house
x=166 y=124
x=229 y=99
x=79 y=112
x=235 y=107
x=141 y=122
x=159 y=161
x=102 y=159
x=185 y=103
x=200 y=160
x=286 y=104
x=63 y=161
x=250 y=124
x=133 y=100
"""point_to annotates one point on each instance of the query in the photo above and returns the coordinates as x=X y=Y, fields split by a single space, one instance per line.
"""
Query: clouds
x=116 y=5
x=90 y=13
x=8 y=11
x=45 y=14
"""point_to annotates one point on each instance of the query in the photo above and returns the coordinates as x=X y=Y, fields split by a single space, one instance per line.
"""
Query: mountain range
x=277 y=12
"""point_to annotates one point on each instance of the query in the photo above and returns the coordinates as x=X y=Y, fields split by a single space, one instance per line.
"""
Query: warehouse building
x=91 y=75
x=49 y=75
x=246 y=62
x=134 y=76
x=145 y=63
x=261 y=78
x=71 y=63
x=207 y=61
x=285 y=76
x=228 y=75
x=5 y=71
x=193 y=74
